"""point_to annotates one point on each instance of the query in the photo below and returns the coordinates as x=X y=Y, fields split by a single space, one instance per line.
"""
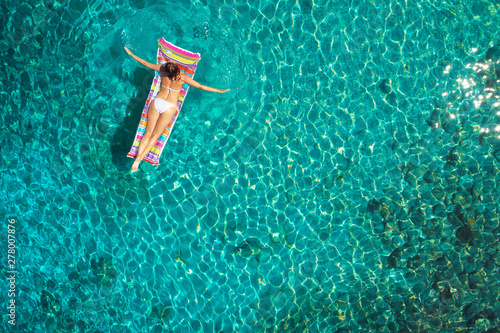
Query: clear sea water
x=349 y=182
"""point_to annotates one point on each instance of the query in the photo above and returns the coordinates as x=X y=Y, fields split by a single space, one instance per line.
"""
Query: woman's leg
x=153 y=116
x=162 y=122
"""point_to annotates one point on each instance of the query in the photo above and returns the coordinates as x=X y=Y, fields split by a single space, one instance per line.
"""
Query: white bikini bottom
x=162 y=105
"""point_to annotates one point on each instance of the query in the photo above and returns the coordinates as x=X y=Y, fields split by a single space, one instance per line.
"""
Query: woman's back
x=170 y=90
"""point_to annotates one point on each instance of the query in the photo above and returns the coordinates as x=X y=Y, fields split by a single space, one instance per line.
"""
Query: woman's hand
x=128 y=50
x=222 y=90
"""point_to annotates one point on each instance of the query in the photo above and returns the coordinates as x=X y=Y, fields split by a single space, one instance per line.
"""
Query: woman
x=162 y=108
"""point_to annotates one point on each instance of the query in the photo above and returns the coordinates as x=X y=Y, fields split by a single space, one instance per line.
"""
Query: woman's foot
x=135 y=166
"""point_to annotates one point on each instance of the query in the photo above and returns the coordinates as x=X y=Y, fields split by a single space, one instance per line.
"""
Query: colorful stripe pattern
x=187 y=62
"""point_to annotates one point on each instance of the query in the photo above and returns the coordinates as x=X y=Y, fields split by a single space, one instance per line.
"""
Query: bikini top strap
x=170 y=89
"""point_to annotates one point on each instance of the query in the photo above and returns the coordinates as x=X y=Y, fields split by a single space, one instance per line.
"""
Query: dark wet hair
x=170 y=70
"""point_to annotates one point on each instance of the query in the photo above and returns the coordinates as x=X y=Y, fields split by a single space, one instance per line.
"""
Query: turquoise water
x=347 y=183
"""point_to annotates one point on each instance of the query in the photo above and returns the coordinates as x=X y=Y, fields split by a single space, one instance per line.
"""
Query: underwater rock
x=454 y=155
x=493 y=142
x=464 y=233
x=493 y=53
x=496 y=154
x=410 y=178
x=429 y=177
x=393 y=259
x=249 y=247
x=385 y=86
x=50 y=304
x=418 y=217
x=434 y=118
x=451 y=126
x=378 y=226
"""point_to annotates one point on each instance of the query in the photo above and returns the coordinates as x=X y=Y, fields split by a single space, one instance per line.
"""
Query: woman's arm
x=195 y=84
x=143 y=62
